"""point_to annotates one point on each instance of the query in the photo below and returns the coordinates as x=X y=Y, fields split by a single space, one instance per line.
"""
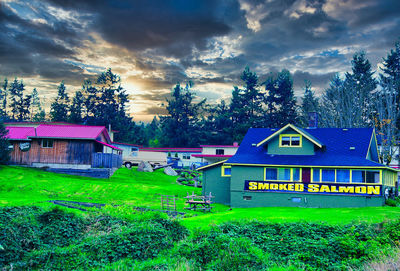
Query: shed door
x=306 y=175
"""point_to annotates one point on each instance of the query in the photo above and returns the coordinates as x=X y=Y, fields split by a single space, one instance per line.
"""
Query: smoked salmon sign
x=314 y=188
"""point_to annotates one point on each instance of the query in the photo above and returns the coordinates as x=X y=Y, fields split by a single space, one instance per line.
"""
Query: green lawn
x=25 y=186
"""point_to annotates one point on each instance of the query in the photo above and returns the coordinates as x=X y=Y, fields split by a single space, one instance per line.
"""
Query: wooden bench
x=199 y=202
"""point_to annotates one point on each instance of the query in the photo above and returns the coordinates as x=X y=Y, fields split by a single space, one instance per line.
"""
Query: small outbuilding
x=312 y=167
x=67 y=147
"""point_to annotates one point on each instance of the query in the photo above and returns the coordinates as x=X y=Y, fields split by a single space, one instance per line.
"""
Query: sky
x=153 y=44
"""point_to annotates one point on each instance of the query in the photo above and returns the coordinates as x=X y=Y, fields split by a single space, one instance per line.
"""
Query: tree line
x=357 y=98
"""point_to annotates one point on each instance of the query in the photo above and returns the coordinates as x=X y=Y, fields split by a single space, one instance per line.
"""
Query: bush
x=391 y=202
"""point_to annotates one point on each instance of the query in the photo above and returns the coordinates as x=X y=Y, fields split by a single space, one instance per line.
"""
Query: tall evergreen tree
x=37 y=112
x=360 y=83
x=76 y=108
x=309 y=104
x=246 y=106
x=280 y=100
x=3 y=99
x=60 y=107
x=20 y=104
x=179 y=128
x=4 y=151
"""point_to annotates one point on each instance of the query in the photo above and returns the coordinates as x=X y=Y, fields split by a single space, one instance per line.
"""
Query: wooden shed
x=63 y=146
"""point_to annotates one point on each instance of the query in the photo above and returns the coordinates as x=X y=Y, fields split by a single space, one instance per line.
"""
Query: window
x=282 y=174
x=219 y=151
x=186 y=156
x=290 y=140
x=343 y=175
x=346 y=175
x=328 y=175
x=226 y=171
x=358 y=176
x=296 y=200
x=47 y=143
x=134 y=151
x=246 y=197
x=372 y=176
x=316 y=175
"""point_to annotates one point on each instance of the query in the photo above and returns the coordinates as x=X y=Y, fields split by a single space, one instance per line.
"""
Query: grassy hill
x=26 y=186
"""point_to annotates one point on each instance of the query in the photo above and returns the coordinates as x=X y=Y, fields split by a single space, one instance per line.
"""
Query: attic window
x=290 y=140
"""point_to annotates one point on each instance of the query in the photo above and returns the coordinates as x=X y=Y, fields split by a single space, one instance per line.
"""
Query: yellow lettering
x=291 y=187
x=252 y=186
x=273 y=186
x=346 y=189
x=263 y=186
x=324 y=188
x=334 y=189
x=299 y=187
x=283 y=186
x=313 y=188
x=361 y=190
x=374 y=190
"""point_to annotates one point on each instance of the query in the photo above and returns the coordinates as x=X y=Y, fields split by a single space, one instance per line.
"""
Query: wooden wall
x=63 y=152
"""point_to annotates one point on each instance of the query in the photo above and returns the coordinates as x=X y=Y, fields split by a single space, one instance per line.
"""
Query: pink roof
x=59 y=131
x=171 y=149
x=20 y=133
x=211 y=155
x=108 y=145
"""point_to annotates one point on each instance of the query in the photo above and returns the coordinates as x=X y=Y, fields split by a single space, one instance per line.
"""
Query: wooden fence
x=106 y=160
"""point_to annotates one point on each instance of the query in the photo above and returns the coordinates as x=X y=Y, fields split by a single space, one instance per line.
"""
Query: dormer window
x=290 y=140
x=219 y=151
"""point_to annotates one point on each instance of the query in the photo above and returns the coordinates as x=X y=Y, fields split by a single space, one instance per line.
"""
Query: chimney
x=312 y=120
x=110 y=133
x=235 y=144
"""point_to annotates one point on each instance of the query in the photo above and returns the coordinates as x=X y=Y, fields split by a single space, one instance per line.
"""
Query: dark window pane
x=372 y=176
x=358 y=176
x=343 y=175
x=316 y=174
x=295 y=141
x=296 y=174
x=271 y=174
x=328 y=175
x=285 y=141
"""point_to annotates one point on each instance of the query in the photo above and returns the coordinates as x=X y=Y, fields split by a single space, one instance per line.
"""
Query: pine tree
x=37 y=112
x=245 y=106
x=20 y=105
x=3 y=100
x=360 y=83
x=310 y=104
x=76 y=108
x=4 y=150
x=179 y=128
x=60 y=107
x=280 y=100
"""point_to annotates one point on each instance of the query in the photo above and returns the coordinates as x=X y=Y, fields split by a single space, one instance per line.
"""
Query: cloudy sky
x=153 y=44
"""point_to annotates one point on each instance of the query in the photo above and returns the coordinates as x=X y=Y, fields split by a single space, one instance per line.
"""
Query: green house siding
x=307 y=147
x=217 y=185
x=264 y=199
x=240 y=198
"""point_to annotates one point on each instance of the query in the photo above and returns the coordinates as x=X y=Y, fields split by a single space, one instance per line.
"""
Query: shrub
x=391 y=202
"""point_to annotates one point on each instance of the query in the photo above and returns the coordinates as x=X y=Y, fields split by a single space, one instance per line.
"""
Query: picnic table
x=197 y=202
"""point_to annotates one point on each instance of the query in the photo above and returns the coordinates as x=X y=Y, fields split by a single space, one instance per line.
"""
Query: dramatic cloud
x=155 y=44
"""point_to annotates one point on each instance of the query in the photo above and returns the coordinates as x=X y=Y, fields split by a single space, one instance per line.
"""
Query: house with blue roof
x=312 y=167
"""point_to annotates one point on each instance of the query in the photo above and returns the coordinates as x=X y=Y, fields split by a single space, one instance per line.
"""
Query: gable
x=290 y=142
x=291 y=127
x=373 y=152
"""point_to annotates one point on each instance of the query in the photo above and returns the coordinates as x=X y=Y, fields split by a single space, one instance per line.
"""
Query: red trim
x=108 y=145
x=211 y=155
x=219 y=146
x=171 y=149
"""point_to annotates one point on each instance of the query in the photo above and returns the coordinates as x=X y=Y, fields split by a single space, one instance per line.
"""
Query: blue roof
x=337 y=152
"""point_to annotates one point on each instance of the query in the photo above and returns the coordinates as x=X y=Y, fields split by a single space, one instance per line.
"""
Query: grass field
x=25 y=186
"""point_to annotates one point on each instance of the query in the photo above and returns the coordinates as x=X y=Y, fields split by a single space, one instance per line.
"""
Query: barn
x=312 y=167
x=78 y=147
